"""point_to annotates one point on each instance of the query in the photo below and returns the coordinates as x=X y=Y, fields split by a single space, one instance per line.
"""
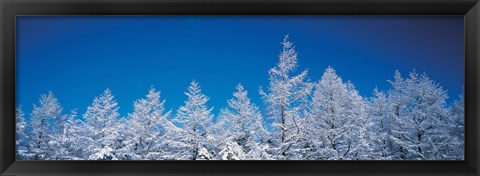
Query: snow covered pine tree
x=241 y=127
x=195 y=118
x=101 y=122
x=286 y=98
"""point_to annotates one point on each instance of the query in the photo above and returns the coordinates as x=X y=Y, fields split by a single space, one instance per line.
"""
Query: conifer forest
x=298 y=119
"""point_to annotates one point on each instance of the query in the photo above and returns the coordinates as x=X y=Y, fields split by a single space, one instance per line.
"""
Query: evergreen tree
x=101 y=122
x=286 y=99
x=46 y=122
x=378 y=112
x=242 y=126
x=21 y=134
x=68 y=137
x=360 y=127
x=195 y=118
x=418 y=114
x=337 y=120
x=150 y=128
x=456 y=146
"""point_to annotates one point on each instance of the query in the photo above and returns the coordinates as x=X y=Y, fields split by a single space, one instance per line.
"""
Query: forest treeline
x=321 y=120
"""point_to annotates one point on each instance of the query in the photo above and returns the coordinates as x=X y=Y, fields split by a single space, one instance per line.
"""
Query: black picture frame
x=9 y=9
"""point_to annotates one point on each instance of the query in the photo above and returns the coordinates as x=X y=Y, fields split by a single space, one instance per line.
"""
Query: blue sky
x=77 y=57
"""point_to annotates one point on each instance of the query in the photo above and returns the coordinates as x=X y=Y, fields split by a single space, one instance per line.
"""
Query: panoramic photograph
x=240 y=88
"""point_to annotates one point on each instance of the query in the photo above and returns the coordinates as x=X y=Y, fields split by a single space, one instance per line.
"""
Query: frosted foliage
x=286 y=98
x=20 y=125
x=46 y=124
x=337 y=120
x=327 y=119
x=150 y=129
x=106 y=153
x=380 y=132
x=240 y=124
x=20 y=133
x=454 y=149
x=101 y=121
x=195 y=118
x=417 y=113
x=232 y=151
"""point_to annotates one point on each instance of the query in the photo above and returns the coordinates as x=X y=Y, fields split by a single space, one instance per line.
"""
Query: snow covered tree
x=455 y=149
x=101 y=121
x=151 y=129
x=46 y=123
x=68 y=137
x=360 y=126
x=430 y=115
x=242 y=126
x=57 y=144
x=232 y=151
x=195 y=118
x=396 y=115
x=21 y=134
x=20 y=126
x=378 y=112
x=337 y=120
x=286 y=99
x=418 y=115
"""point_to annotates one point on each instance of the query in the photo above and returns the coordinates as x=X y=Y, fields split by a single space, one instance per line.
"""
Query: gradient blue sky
x=77 y=57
